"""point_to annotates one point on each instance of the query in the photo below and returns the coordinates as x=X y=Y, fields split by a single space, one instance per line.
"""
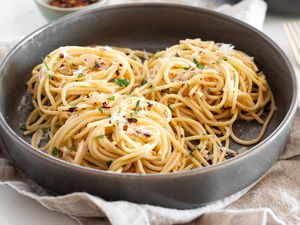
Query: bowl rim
x=80 y=169
x=72 y=9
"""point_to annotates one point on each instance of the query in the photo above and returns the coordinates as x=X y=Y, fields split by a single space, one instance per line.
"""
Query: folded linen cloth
x=273 y=200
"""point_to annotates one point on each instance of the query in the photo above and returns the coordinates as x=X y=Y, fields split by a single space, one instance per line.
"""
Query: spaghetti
x=132 y=111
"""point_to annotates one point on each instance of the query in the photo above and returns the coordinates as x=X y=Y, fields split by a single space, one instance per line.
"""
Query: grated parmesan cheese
x=79 y=71
x=225 y=48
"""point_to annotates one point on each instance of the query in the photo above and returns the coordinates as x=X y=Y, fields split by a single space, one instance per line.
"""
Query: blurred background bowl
x=52 y=13
x=287 y=7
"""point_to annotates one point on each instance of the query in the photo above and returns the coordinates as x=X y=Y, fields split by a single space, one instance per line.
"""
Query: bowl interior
x=150 y=27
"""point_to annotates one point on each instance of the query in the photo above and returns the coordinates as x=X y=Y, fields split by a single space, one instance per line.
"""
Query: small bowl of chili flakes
x=54 y=9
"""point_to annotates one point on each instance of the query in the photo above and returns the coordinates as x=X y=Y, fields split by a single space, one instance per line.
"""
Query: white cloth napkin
x=275 y=199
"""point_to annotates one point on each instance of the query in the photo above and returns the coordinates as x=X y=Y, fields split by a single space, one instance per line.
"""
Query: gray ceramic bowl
x=150 y=26
x=52 y=13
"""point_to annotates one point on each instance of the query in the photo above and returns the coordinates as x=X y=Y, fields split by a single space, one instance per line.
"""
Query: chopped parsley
x=72 y=148
x=111 y=98
x=80 y=75
x=46 y=65
x=100 y=136
x=137 y=106
x=143 y=82
x=50 y=76
x=225 y=58
x=108 y=163
x=55 y=151
x=121 y=82
x=45 y=129
x=23 y=127
x=96 y=65
x=198 y=64
x=100 y=109
x=169 y=106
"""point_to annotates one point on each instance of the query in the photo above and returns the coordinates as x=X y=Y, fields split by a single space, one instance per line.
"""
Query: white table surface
x=21 y=17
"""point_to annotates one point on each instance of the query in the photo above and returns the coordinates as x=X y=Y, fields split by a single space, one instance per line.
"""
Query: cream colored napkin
x=274 y=200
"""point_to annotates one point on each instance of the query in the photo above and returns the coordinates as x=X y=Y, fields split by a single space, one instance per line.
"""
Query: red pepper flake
x=72 y=109
x=117 y=73
x=149 y=105
x=71 y=3
x=147 y=135
x=105 y=106
x=132 y=120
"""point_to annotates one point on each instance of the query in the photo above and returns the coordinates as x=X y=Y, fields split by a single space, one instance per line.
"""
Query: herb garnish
x=80 y=75
x=50 y=76
x=45 y=63
x=169 y=106
x=137 y=106
x=72 y=148
x=96 y=66
x=121 y=82
x=111 y=98
x=100 y=109
x=143 y=82
x=100 y=136
x=198 y=64
x=23 y=127
x=225 y=58
x=55 y=151
x=108 y=163
x=45 y=129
